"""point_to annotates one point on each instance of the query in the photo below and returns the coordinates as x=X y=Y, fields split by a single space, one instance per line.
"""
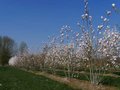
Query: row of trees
x=8 y=49
x=93 y=50
x=76 y=56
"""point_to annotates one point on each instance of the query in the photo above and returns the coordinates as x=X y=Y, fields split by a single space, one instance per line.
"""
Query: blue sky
x=33 y=21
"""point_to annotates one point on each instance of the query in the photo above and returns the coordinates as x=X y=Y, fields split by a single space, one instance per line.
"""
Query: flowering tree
x=93 y=49
x=99 y=44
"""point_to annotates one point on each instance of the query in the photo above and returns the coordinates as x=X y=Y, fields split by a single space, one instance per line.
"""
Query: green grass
x=79 y=76
x=111 y=81
x=15 y=79
x=117 y=73
x=106 y=80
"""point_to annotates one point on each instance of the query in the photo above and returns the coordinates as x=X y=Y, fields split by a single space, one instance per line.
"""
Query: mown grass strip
x=15 y=79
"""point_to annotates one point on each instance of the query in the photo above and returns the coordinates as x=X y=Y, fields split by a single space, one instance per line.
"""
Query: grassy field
x=106 y=80
x=15 y=79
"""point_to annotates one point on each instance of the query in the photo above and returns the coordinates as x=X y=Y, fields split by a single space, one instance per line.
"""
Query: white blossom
x=100 y=32
x=77 y=34
x=13 y=60
x=100 y=27
x=108 y=12
x=102 y=17
x=83 y=16
x=90 y=18
x=113 y=5
x=105 y=19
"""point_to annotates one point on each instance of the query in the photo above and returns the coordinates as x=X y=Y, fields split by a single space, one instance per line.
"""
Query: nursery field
x=15 y=79
x=109 y=81
x=52 y=56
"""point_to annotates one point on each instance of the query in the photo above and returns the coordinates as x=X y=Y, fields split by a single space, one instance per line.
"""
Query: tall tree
x=23 y=48
x=7 y=49
x=0 y=47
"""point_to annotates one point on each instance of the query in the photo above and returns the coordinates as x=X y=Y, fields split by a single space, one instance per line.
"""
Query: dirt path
x=74 y=83
x=82 y=72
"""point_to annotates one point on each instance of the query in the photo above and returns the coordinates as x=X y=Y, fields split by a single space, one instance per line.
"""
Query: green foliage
x=106 y=80
x=7 y=48
x=111 y=81
x=79 y=76
x=15 y=79
x=117 y=73
x=5 y=56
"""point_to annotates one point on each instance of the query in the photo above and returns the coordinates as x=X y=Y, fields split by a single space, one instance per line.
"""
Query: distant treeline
x=9 y=48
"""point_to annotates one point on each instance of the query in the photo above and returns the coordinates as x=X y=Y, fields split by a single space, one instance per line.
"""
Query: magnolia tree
x=100 y=48
x=109 y=47
x=61 y=53
x=93 y=50
x=29 y=61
